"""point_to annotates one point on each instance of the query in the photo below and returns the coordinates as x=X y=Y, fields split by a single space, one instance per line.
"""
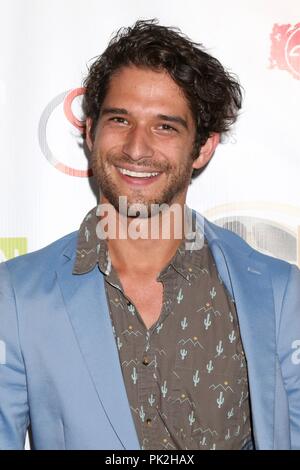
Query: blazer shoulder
x=44 y=259
x=275 y=266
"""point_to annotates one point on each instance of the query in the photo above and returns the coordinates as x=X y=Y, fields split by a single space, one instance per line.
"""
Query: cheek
x=107 y=143
x=178 y=154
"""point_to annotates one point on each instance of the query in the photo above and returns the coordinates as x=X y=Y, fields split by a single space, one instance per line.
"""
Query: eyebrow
x=114 y=111
x=164 y=117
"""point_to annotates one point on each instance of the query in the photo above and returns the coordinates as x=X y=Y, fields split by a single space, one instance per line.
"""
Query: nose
x=138 y=144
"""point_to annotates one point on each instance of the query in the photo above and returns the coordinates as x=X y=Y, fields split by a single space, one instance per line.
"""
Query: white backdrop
x=252 y=183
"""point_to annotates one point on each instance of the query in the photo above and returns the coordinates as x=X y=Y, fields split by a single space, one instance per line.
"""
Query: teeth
x=139 y=174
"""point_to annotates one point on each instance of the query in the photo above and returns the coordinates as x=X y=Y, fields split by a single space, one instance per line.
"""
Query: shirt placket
x=148 y=392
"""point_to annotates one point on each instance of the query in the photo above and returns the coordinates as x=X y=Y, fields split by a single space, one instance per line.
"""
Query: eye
x=118 y=120
x=167 y=128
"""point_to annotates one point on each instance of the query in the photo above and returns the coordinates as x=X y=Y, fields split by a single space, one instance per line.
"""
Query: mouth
x=138 y=177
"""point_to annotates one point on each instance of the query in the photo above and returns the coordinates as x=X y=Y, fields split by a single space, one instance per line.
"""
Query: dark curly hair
x=214 y=95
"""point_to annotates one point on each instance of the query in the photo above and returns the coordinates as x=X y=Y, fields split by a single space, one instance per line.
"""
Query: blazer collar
x=85 y=300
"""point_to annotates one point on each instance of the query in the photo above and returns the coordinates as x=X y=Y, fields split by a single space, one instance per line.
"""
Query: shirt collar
x=92 y=250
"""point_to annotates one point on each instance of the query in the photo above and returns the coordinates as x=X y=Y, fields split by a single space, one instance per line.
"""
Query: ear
x=88 y=136
x=206 y=151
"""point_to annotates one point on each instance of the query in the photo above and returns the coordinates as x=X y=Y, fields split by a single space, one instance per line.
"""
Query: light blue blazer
x=60 y=368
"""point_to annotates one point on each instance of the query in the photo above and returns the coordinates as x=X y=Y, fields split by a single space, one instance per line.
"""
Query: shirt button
x=146 y=361
x=149 y=422
x=165 y=440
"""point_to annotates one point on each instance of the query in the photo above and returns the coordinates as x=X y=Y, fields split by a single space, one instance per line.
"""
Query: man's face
x=143 y=140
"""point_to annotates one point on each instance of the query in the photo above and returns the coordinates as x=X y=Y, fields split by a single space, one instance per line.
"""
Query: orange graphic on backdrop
x=67 y=99
x=68 y=109
x=285 y=48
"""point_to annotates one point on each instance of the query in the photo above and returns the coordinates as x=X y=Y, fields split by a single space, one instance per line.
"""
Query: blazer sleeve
x=14 y=410
x=289 y=351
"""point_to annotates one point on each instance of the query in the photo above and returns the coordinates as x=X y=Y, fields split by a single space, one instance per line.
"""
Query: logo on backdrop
x=285 y=48
x=59 y=117
x=12 y=247
x=271 y=228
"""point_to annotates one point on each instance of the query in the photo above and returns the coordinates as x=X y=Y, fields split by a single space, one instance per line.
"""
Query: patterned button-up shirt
x=186 y=376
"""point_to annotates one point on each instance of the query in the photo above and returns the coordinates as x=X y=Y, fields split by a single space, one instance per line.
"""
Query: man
x=122 y=337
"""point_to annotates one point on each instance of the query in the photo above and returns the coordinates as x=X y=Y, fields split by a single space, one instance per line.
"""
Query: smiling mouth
x=137 y=174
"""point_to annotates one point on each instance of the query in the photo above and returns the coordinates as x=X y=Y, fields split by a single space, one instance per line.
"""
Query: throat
x=141 y=260
x=147 y=297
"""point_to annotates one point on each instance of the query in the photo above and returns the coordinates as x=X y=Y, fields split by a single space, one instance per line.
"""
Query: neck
x=143 y=246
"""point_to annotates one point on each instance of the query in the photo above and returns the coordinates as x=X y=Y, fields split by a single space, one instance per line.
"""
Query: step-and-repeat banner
x=252 y=184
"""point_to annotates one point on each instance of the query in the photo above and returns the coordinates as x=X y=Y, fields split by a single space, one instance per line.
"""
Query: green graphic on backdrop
x=12 y=247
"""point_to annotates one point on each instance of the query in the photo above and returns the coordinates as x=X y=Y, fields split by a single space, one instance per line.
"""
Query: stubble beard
x=137 y=203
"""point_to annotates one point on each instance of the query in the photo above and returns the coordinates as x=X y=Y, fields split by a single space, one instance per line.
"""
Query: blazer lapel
x=85 y=300
x=250 y=285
